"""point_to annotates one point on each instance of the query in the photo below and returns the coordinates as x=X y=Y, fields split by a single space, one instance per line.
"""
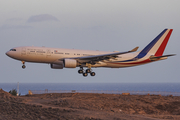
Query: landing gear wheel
x=88 y=71
x=23 y=66
x=85 y=74
x=80 y=71
x=93 y=74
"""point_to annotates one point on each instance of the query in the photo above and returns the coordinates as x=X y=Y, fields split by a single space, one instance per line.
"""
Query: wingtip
x=135 y=49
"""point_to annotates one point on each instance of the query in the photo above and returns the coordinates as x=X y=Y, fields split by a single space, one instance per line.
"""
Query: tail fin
x=158 y=45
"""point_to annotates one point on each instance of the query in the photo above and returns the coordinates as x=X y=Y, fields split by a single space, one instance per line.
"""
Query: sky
x=105 y=25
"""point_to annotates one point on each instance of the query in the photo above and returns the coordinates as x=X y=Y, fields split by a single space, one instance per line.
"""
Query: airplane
x=59 y=58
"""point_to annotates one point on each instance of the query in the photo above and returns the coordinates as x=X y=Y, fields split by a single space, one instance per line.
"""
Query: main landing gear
x=23 y=66
x=85 y=72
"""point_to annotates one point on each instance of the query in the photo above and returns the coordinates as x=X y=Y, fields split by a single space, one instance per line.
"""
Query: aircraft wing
x=96 y=58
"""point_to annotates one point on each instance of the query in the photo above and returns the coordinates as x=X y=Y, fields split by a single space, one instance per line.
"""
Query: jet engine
x=70 y=63
x=57 y=66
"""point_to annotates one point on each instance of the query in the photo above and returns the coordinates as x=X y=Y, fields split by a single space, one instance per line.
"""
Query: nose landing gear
x=85 y=72
x=23 y=66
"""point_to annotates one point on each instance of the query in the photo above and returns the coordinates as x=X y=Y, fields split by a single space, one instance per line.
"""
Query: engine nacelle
x=57 y=66
x=70 y=63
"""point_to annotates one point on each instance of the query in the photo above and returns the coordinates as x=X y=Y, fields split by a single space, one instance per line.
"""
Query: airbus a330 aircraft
x=71 y=58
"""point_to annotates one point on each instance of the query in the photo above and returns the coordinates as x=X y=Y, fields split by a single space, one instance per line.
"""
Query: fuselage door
x=23 y=51
x=48 y=54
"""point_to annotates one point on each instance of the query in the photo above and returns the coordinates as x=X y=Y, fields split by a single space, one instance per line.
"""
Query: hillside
x=81 y=106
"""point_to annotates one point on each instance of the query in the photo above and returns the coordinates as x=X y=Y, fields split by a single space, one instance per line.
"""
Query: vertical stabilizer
x=158 y=45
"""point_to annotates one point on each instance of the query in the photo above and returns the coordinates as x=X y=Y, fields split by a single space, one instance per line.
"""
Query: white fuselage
x=53 y=55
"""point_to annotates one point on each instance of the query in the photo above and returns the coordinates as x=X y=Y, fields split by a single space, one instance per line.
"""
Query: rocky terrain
x=88 y=106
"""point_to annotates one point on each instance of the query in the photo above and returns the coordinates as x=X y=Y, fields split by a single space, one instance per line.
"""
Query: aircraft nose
x=7 y=53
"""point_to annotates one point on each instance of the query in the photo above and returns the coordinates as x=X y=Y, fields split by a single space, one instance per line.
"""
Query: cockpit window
x=12 y=49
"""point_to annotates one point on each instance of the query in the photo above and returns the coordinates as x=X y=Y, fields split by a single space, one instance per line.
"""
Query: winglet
x=135 y=49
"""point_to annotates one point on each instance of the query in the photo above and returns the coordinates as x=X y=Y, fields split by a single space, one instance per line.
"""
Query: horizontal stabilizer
x=165 y=56
x=153 y=58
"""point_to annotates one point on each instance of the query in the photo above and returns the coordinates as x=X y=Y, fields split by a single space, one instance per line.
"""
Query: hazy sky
x=107 y=25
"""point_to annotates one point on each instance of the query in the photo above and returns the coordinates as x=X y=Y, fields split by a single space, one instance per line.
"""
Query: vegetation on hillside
x=13 y=92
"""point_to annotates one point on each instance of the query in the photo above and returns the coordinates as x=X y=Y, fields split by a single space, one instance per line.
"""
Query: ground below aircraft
x=59 y=58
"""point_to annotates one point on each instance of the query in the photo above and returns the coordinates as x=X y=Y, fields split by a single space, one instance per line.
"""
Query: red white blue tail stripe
x=155 y=48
